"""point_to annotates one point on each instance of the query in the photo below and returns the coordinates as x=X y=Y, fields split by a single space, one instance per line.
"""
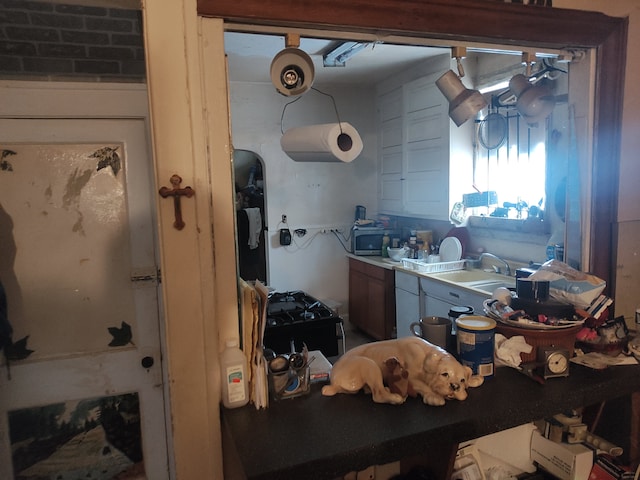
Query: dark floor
x=355 y=336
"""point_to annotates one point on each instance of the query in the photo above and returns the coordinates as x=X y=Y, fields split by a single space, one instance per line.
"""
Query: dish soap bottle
x=233 y=366
x=385 y=243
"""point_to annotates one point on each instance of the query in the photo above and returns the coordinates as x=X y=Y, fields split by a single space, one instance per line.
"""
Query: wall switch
x=285 y=237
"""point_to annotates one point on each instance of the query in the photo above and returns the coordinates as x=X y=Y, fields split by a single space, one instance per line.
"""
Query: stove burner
x=292 y=307
x=299 y=318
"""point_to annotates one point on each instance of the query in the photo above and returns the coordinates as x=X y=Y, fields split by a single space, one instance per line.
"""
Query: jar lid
x=456 y=311
x=472 y=322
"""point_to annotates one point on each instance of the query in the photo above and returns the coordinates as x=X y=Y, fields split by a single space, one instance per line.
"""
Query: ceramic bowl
x=397 y=254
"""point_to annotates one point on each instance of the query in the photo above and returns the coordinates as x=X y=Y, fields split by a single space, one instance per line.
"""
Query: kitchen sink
x=491 y=286
x=467 y=276
x=478 y=279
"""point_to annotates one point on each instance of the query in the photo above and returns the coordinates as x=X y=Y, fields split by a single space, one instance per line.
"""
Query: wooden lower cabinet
x=372 y=299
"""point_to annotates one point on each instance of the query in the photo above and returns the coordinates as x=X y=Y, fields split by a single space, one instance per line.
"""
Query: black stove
x=296 y=318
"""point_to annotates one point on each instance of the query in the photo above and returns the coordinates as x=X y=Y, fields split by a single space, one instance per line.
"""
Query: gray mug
x=435 y=330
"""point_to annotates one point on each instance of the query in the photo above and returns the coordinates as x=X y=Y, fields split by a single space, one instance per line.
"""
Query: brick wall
x=48 y=41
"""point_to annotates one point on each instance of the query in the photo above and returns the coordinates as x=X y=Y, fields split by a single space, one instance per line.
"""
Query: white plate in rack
x=450 y=250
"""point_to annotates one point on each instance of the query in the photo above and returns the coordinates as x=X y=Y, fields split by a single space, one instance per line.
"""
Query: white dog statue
x=422 y=368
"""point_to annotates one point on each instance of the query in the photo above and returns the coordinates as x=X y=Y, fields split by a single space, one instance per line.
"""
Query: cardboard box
x=563 y=460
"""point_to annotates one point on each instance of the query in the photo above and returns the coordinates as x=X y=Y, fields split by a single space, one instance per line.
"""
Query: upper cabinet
x=390 y=151
x=426 y=162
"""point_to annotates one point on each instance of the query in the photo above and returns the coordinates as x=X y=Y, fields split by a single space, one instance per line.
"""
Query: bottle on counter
x=413 y=245
x=385 y=243
x=233 y=365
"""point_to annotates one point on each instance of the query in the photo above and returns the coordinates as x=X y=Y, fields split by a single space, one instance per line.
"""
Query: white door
x=78 y=265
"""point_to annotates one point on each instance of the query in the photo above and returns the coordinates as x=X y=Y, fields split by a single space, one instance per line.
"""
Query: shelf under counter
x=319 y=437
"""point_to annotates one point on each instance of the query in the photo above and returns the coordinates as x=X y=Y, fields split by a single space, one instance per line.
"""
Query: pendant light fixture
x=292 y=71
x=464 y=103
x=534 y=102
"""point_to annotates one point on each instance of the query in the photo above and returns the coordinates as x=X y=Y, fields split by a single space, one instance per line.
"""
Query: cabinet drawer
x=454 y=295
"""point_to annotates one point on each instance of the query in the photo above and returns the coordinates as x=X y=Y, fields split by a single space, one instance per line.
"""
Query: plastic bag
x=568 y=284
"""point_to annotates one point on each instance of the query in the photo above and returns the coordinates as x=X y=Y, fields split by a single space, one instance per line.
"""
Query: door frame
x=484 y=22
x=79 y=100
x=185 y=53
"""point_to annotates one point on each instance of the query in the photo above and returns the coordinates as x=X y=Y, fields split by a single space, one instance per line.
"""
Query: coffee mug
x=435 y=330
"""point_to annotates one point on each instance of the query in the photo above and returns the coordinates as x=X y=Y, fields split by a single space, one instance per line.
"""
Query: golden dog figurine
x=432 y=372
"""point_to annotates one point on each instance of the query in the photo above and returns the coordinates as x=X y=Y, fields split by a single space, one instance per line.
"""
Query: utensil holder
x=290 y=383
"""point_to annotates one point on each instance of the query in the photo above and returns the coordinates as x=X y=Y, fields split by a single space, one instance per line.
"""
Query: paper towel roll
x=322 y=143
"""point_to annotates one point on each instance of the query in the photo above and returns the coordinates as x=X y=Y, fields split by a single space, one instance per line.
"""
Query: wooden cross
x=176 y=192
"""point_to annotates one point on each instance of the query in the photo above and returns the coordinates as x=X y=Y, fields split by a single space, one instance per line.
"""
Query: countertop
x=377 y=260
x=444 y=277
x=317 y=437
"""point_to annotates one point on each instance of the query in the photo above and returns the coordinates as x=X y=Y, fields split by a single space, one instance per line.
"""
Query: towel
x=255 y=226
x=508 y=350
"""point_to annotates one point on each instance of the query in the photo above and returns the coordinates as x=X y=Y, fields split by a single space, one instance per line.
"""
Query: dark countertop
x=317 y=437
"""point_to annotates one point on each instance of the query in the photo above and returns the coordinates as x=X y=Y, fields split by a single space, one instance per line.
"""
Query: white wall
x=313 y=196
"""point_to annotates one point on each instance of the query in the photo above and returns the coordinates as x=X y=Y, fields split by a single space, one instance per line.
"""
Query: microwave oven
x=368 y=240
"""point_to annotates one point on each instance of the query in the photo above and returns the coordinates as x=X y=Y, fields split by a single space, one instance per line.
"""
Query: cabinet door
x=434 y=307
x=390 y=148
x=358 y=298
x=426 y=153
x=371 y=299
x=377 y=309
x=407 y=312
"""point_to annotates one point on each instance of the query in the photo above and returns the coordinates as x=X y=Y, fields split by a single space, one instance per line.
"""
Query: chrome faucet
x=507 y=268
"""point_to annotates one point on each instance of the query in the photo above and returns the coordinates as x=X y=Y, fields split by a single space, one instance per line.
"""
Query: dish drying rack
x=439 y=267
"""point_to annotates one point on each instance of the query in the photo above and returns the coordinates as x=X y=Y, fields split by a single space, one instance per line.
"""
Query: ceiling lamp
x=463 y=102
x=292 y=71
x=534 y=102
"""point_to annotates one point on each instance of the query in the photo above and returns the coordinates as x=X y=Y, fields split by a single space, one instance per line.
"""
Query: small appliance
x=368 y=240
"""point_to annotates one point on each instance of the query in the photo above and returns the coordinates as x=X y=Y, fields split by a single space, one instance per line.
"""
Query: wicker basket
x=564 y=338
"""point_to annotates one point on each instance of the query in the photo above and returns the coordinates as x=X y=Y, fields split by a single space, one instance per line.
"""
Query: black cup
x=532 y=289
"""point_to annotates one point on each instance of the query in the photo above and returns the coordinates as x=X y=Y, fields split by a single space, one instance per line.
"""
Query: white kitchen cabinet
x=439 y=297
x=408 y=303
x=426 y=162
x=390 y=148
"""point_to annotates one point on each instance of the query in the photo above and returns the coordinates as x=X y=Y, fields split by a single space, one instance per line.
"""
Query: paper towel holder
x=292 y=71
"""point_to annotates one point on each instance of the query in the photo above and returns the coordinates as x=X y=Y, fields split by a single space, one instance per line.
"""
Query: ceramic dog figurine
x=431 y=372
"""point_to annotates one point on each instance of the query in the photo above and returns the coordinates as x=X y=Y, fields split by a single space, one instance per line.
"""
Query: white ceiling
x=250 y=58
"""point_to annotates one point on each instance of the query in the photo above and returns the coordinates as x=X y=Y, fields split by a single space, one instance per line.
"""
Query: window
x=511 y=156
x=516 y=169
